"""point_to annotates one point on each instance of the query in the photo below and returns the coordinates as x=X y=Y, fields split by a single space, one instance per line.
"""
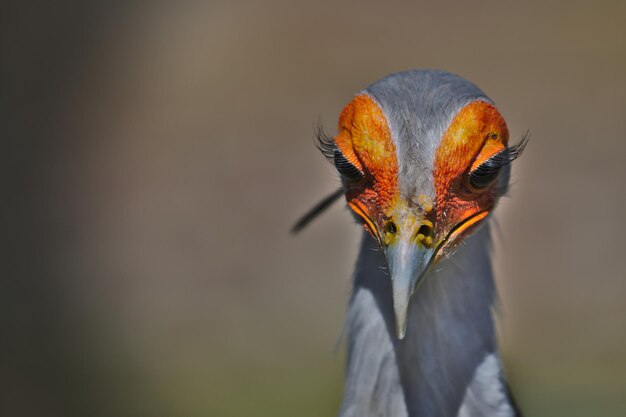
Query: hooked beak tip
x=401 y=330
x=402 y=290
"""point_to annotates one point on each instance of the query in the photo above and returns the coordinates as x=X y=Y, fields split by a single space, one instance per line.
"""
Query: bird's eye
x=483 y=176
x=486 y=173
x=345 y=168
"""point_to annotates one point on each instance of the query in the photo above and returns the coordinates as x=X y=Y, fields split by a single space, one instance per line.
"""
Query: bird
x=423 y=157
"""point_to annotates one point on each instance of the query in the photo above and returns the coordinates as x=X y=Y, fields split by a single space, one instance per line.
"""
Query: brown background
x=160 y=152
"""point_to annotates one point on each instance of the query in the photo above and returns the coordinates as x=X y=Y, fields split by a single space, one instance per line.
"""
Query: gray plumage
x=450 y=333
x=436 y=370
x=419 y=106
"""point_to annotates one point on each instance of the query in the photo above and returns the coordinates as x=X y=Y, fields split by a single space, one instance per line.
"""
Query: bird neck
x=450 y=337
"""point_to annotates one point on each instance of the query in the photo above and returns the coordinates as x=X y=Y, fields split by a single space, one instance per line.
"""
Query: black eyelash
x=328 y=148
x=325 y=143
x=486 y=172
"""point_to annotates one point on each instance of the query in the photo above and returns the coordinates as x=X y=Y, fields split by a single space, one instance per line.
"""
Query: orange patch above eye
x=492 y=146
x=365 y=140
x=477 y=132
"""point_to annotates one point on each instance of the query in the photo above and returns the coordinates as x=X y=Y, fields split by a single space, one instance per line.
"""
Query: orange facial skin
x=364 y=138
x=476 y=133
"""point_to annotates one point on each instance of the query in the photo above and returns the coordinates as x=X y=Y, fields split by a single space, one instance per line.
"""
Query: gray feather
x=419 y=106
x=486 y=395
x=450 y=333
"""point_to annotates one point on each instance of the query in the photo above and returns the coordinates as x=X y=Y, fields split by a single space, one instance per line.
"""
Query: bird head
x=423 y=158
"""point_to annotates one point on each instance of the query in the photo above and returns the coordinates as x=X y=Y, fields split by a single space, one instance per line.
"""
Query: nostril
x=391 y=228
x=425 y=230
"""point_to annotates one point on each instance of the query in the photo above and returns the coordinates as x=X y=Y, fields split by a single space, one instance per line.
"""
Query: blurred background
x=158 y=153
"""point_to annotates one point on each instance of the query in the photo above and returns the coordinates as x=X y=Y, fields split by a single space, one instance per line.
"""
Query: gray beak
x=408 y=263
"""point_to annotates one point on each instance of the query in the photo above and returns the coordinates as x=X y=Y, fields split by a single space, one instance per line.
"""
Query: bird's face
x=420 y=204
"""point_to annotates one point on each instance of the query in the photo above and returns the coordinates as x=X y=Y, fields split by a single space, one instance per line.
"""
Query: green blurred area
x=163 y=150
